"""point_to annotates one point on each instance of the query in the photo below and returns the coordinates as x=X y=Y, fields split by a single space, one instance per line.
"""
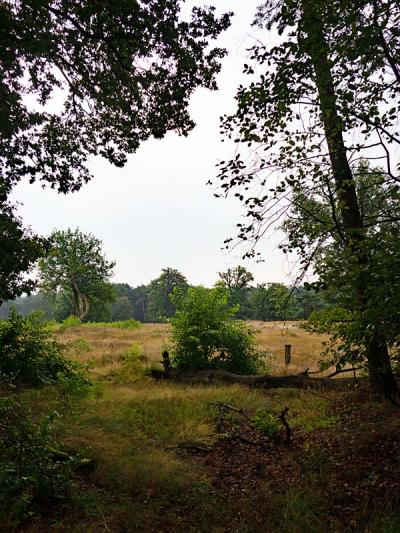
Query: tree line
x=152 y=302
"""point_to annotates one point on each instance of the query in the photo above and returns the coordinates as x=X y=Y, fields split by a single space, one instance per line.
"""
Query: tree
x=122 y=71
x=140 y=302
x=122 y=309
x=160 y=304
x=236 y=281
x=275 y=301
x=77 y=266
x=345 y=321
x=20 y=249
x=324 y=101
x=204 y=334
x=25 y=305
x=309 y=300
x=261 y=303
x=138 y=299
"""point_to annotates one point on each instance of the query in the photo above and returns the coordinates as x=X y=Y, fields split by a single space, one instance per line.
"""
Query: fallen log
x=302 y=381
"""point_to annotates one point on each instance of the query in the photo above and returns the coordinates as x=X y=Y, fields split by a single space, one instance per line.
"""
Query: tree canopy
x=160 y=305
x=76 y=265
x=327 y=96
x=237 y=282
x=123 y=69
x=20 y=249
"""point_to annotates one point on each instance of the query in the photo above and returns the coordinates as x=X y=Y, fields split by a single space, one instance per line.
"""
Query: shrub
x=31 y=354
x=132 y=364
x=267 y=423
x=31 y=476
x=70 y=322
x=79 y=346
x=205 y=335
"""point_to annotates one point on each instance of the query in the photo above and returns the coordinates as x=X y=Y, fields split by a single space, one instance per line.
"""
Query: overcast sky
x=157 y=211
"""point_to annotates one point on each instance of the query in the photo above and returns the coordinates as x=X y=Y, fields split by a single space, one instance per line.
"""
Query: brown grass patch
x=108 y=345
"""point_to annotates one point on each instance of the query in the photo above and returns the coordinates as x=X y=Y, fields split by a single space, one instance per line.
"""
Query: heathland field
x=176 y=458
x=105 y=347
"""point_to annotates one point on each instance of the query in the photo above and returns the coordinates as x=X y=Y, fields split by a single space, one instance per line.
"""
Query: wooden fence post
x=288 y=355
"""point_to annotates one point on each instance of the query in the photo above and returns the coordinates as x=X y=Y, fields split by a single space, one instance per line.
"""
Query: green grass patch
x=122 y=324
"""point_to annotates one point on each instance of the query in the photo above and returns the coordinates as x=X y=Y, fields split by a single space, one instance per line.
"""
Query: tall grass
x=136 y=429
x=74 y=322
x=122 y=324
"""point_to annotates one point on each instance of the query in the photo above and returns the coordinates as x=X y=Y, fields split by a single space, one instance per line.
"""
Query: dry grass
x=135 y=427
x=106 y=346
x=306 y=348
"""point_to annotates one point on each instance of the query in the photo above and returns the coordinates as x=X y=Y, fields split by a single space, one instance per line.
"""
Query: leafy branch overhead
x=119 y=74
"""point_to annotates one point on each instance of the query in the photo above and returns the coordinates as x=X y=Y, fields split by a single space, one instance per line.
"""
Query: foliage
x=26 y=305
x=267 y=423
x=124 y=71
x=161 y=306
x=31 y=479
x=121 y=324
x=31 y=355
x=345 y=337
x=204 y=334
x=321 y=103
x=122 y=309
x=132 y=364
x=121 y=72
x=20 y=250
x=236 y=278
x=257 y=303
x=138 y=299
x=70 y=322
x=350 y=322
x=76 y=265
x=236 y=281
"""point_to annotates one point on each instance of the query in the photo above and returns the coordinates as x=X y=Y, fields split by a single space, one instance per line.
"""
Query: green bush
x=31 y=354
x=205 y=335
x=70 y=322
x=267 y=423
x=32 y=476
x=132 y=364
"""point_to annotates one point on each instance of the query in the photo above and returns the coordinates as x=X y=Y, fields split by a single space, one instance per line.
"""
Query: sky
x=157 y=211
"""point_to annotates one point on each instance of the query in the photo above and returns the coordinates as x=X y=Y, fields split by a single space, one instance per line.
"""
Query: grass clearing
x=136 y=429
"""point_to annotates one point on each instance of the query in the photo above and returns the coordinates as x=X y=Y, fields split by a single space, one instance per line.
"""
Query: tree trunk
x=381 y=377
x=80 y=302
x=298 y=381
x=380 y=370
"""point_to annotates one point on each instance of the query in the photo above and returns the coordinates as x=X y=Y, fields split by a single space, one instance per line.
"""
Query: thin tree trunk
x=380 y=370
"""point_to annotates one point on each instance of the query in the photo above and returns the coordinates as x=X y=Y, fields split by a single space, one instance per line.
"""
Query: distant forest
x=151 y=303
